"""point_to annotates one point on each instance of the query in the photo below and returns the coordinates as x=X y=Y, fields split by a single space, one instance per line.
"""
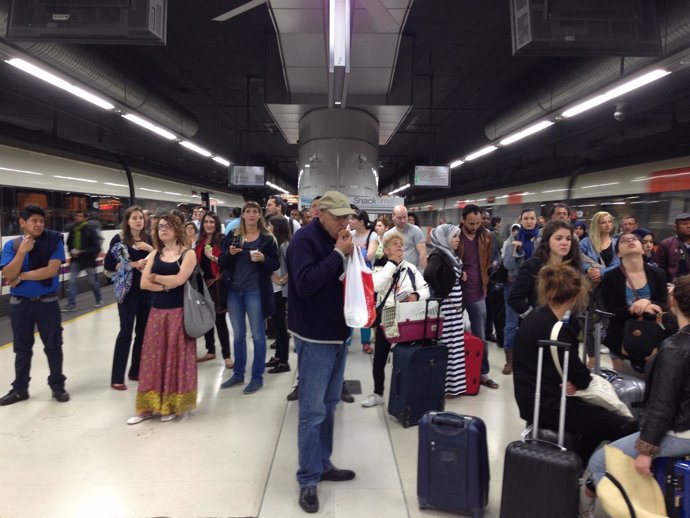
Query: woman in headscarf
x=581 y=229
x=444 y=274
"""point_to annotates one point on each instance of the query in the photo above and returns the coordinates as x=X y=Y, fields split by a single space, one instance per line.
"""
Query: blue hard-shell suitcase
x=418 y=381
x=453 y=463
x=673 y=476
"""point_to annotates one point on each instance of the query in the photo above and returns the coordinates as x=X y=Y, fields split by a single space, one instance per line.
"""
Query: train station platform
x=236 y=456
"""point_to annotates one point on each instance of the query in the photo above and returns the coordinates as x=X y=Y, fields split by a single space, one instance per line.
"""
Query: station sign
x=377 y=204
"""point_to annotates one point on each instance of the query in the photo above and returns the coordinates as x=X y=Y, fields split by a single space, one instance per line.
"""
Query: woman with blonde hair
x=248 y=259
x=167 y=375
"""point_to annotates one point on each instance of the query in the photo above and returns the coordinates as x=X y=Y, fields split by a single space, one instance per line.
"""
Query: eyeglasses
x=630 y=239
x=164 y=226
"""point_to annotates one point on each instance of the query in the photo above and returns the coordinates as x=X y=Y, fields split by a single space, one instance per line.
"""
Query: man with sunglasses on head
x=316 y=259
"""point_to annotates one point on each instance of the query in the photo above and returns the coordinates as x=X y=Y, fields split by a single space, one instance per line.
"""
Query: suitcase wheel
x=423 y=504
x=405 y=417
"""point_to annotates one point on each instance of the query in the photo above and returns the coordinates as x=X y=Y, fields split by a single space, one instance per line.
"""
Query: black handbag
x=641 y=338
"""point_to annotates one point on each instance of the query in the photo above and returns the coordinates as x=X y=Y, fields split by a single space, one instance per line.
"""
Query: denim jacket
x=591 y=256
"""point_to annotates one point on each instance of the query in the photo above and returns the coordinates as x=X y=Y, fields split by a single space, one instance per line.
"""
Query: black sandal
x=489 y=383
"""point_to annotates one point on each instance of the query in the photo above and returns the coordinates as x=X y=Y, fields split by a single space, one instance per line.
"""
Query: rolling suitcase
x=474 y=353
x=418 y=381
x=673 y=475
x=453 y=463
x=630 y=389
x=541 y=479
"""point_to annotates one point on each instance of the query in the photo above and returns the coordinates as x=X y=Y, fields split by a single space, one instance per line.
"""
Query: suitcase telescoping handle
x=543 y=344
x=426 y=317
x=597 y=338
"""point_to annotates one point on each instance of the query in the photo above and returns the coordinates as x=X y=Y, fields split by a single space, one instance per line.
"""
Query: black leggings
x=382 y=348
x=593 y=424
x=282 y=338
x=223 y=336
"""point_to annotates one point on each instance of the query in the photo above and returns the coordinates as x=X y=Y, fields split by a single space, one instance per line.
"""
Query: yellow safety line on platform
x=8 y=344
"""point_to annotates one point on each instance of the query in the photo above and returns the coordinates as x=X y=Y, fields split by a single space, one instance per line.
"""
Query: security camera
x=619 y=114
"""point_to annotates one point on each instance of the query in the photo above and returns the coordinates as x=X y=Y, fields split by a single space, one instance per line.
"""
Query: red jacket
x=200 y=244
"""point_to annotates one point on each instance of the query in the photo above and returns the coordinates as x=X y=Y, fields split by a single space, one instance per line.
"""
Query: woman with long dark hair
x=248 y=259
x=127 y=251
x=208 y=250
x=555 y=247
x=167 y=375
x=518 y=248
x=278 y=225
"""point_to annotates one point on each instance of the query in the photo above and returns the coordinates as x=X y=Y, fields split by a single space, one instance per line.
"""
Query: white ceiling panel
x=299 y=21
x=296 y=4
x=303 y=50
x=308 y=80
x=368 y=81
x=373 y=50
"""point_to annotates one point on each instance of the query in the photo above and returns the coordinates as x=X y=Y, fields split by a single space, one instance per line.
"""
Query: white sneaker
x=168 y=418
x=372 y=400
x=605 y=350
x=139 y=418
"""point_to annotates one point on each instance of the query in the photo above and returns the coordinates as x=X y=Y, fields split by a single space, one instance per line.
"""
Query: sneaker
x=168 y=418
x=234 y=380
x=372 y=400
x=253 y=386
x=366 y=347
x=68 y=308
x=98 y=304
x=139 y=418
x=61 y=395
x=345 y=395
x=294 y=394
x=605 y=350
x=12 y=397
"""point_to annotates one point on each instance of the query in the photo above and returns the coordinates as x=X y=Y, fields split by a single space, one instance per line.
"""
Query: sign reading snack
x=377 y=204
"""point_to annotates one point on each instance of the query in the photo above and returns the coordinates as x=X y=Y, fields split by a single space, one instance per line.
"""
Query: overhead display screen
x=432 y=176
x=247 y=176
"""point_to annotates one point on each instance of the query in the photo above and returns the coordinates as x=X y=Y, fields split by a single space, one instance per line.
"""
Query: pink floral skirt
x=167 y=375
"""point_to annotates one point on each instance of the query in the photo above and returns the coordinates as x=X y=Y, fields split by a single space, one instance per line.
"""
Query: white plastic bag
x=360 y=306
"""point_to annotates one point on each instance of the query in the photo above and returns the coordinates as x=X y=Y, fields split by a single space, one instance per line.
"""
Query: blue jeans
x=670 y=447
x=477 y=312
x=512 y=320
x=321 y=369
x=241 y=303
x=25 y=316
x=90 y=275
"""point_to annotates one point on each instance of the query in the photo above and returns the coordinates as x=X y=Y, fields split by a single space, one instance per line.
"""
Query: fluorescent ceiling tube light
x=399 y=189
x=529 y=130
x=195 y=148
x=221 y=161
x=274 y=186
x=74 y=179
x=149 y=126
x=483 y=151
x=60 y=83
x=626 y=87
x=456 y=163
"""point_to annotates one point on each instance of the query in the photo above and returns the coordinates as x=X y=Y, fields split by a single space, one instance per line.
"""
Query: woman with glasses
x=248 y=259
x=128 y=250
x=208 y=251
x=190 y=232
x=167 y=375
x=631 y=290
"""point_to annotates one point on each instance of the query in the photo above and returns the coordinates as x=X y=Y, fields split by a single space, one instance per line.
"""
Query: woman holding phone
x=249 y=258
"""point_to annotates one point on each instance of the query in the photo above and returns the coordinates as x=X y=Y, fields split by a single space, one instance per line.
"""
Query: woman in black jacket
x=562 y=289
x=629 y=291
x=555 y=247
x=665 y=425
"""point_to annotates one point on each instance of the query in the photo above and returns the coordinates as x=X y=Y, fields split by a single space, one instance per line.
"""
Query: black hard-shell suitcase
x=673 y=475
x=452 y=463
x=418 y=381
x=541 y=479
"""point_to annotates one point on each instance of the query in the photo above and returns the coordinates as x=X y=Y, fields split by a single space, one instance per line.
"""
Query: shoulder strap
x=15 y=243
x=555 y=331
x=624 y=494
x=629 y=282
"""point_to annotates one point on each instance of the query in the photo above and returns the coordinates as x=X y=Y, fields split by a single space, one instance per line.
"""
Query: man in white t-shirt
x=414 y=247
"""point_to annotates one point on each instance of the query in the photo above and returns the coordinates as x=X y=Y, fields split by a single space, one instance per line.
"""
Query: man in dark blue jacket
x=315 y=318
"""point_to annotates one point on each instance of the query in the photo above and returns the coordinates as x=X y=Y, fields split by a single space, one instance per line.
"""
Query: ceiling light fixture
x=274 y=186
x=149 y=126
x=622 y=89
x=529 y=130
x=20 y=171
x=483 y=151
x=54 y=80
x=193 y=147
x=338 y=51
x=456 y=163
x=74 y=179
x=221 y=161
x=115 y=184
x=399 y=189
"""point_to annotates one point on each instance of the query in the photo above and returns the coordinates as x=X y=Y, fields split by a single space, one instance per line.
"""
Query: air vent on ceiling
x=585 y=28
x=89 y=21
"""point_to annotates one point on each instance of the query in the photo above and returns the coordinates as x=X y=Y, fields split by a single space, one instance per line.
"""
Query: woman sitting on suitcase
x=397 y=281
x=561 y=290
x=631 y=290
x=444 y=274
x=665 y=423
